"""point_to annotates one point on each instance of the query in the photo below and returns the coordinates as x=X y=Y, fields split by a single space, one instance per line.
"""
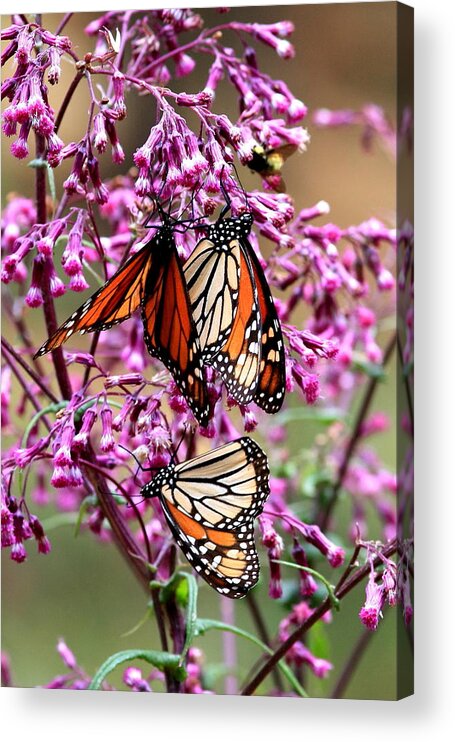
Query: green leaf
x=184 y=587
x=37 y=163
x=51 y=181
x=161 y=660
x=148 y=613
x=205 y=624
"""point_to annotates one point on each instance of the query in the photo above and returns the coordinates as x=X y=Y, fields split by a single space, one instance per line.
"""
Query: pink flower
x=107 y=442
x=63 y=456
x=44 y=545
x=132 y=677
x=66 y=654
x=371 y=611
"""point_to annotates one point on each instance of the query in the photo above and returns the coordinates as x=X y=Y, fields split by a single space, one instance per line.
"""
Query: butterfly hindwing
x=210 y=503
x=227 y=560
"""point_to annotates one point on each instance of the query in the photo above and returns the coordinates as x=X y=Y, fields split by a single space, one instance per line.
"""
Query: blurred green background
x=83 y=591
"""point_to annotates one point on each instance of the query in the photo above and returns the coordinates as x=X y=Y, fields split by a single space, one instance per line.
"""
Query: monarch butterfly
x=235 y=315
x=153 y=280
x=210 y=503
x=268 y=163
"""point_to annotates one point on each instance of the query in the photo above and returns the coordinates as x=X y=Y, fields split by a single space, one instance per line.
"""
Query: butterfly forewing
x=210 y=503
x=238 y=360
x=225 y=305
x=235 y=315
x=114 y=302
x=212 y=274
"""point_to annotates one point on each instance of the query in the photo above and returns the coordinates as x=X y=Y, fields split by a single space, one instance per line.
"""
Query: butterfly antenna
x=157 y=200
x=174 y=453
x=239 y=182
x=227 y=198
x=143 y=468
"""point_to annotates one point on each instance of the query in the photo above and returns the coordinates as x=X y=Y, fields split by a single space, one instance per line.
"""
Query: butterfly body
x=210 y=503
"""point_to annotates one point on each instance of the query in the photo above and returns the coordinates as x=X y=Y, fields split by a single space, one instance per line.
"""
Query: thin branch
x=33 y=375
x=352 y=664
x=122 y=535
x=406 y=383
x=23 y=332
x=263 y=633
x=26 y=388
x=66 y=18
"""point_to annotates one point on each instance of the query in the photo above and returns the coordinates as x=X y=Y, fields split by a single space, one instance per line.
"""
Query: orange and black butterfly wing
x=210 y=503
x=270 y=391
x=114 y=302
x=226 y=560
x=169 y=330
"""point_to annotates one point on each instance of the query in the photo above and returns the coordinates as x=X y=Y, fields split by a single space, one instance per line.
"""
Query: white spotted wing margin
x=210 y=503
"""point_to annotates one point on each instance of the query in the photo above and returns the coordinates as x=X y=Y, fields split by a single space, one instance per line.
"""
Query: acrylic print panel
x=206 y=395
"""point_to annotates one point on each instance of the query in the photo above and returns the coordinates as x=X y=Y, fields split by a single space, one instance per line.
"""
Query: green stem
x=330 y=588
